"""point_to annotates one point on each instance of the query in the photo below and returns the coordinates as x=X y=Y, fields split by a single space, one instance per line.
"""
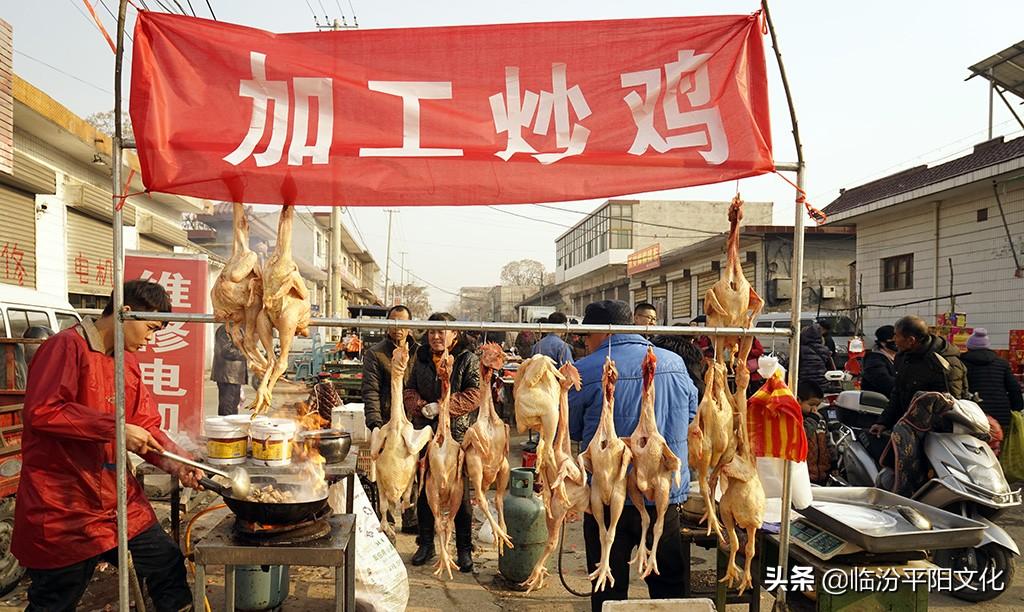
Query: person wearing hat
x=675 y=404
x=990 y=377
x=879 y=371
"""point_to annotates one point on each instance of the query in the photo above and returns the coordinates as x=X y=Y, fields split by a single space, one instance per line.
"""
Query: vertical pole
x=387 y=257
x=991 y=102
x=404 y=281
x=335 y=258
x=798 y=290
x=121 y=453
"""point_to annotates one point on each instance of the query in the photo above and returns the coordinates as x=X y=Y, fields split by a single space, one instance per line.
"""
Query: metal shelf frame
x=119 y=144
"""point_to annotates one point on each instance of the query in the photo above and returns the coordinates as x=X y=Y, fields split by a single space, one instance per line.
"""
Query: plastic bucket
x=272 y=441
x=226 y=442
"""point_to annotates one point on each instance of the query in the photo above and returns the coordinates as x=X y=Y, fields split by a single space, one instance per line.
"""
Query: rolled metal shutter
x=704 y=282
x=681 y=298
x=639 y=295
x=18 y=240
x=659 y=292
x=89 y=255
x=153 y=246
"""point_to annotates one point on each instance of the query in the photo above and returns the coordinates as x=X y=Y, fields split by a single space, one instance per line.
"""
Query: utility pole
x=335 y=262
x=404 y=280
x=387 y=256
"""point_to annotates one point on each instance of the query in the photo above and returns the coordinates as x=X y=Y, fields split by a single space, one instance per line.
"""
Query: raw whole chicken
x=536 y=390
x=285 y=308
x=711 y=442
x=655 y=468
x=486 y=448
x=237 y=294
x=564 y=486
x=732 y=302
x=395 y=449
x=443 y=480
x=607 y=458
x=742 y=505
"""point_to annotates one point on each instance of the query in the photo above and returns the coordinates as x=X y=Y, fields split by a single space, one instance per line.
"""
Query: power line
x=316 y=20
x=212 y=14
x=180 y=8
x=634 y=221
x=114 y=17
x=67 y=74
x=355 y=20
x=190 y=8
x=634 y=234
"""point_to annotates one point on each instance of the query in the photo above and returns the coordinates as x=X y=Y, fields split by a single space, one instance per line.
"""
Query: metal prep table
x=336 y=550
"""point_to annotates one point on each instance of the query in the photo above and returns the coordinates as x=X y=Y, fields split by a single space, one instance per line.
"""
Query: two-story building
x=948 y=237
x=591 y=257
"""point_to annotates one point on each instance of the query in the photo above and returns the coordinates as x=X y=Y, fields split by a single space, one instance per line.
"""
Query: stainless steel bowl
x=332 y=444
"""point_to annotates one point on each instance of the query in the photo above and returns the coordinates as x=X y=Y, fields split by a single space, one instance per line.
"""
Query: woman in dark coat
x=815 y=358
x=990 y=377
x=879 y=372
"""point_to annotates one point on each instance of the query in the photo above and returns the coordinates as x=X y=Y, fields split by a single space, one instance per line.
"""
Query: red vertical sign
x=173 y=363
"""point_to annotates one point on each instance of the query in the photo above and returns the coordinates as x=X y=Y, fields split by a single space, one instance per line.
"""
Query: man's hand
x=190 y=476
x=140 y=441
x=430 y=410
x=876 y=429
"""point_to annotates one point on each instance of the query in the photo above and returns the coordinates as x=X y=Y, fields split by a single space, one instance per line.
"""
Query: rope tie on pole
x=123 y=197
x=819 y=217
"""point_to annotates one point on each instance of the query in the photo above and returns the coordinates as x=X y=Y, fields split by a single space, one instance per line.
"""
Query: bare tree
x=104 y=122
x=523 y=273
x=414 y=297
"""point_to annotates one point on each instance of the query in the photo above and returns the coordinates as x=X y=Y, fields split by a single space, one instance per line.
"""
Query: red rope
x=801 y=198
x=121 y=199
x=99 y=24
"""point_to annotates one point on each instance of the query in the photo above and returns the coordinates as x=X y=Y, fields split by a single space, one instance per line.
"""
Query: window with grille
x=898 y=272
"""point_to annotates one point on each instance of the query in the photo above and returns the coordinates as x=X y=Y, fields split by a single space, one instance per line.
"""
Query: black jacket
x=377 y=380
x=815 y=358
x=229 y=364
x=878 y=373
x=990 y=377
x=423 y=387
x=936 y=366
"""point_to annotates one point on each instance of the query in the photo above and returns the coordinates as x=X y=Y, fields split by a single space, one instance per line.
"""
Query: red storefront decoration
x=451 y=115
x=173 y=363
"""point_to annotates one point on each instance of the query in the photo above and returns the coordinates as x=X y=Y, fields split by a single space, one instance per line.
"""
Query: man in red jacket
x=65 y=521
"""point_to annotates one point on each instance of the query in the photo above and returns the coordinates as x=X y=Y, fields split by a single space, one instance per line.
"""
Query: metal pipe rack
x=119 y=144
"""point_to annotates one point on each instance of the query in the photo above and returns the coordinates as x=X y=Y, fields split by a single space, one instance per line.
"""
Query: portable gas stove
x=258 y=534
x=326 y=541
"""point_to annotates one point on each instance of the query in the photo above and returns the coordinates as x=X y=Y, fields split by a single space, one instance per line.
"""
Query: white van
x=21 y=308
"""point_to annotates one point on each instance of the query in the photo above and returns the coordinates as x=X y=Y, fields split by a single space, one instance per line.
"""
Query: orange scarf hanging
x=776 y=423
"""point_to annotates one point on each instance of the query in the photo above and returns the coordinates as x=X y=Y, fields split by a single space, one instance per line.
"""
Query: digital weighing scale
x=819 y=542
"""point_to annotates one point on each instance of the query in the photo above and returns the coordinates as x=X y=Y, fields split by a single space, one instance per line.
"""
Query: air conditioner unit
x=783 y=288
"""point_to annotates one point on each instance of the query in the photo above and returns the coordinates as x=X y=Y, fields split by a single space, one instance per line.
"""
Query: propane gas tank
x=524 y=517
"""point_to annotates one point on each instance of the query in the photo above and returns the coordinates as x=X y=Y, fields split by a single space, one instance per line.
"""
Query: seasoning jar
x=226 y=442
x=272 y=441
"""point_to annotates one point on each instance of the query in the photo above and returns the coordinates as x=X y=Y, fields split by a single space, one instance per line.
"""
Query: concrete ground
x=312 y=589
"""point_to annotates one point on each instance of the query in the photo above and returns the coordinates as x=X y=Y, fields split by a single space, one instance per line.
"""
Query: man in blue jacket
x=675 y=404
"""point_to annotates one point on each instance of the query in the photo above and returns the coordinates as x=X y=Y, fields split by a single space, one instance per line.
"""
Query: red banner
x=455 y=115
x=173 y=363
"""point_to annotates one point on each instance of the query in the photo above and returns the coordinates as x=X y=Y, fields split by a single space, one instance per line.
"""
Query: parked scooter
x=966 y=479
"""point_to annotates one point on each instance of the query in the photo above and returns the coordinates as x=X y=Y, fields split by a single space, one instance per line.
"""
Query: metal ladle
x=239 y=477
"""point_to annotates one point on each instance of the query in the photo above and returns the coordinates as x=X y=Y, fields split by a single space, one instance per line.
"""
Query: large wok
x=269 y=513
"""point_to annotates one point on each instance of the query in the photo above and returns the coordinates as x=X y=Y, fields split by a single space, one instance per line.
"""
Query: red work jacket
x=67 y=497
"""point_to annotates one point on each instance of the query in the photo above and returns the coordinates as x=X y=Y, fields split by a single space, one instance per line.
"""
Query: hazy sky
x=879 y=86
